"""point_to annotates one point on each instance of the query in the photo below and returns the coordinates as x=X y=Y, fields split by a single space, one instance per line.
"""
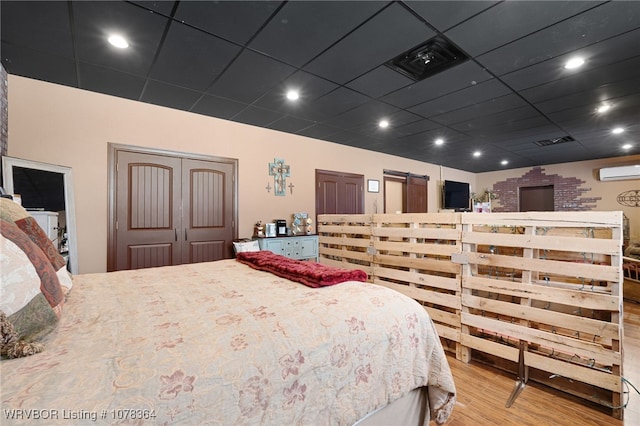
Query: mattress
x=221 y=343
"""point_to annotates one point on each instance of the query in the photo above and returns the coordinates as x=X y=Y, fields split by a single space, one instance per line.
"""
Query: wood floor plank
x=483 y=392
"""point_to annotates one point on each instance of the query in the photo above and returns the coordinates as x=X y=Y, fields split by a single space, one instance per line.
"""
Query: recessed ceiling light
x=477 y=154
x=383 y=124
x=293 y=95
x=504 y=162
x=574 y=63
x=603 y=108
x=617 y=130
x=118 y=41
x=439 y=141
x=627 y=146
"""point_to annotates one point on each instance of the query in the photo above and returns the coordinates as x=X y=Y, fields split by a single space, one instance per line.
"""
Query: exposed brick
x=567 y=191
x=4 y=111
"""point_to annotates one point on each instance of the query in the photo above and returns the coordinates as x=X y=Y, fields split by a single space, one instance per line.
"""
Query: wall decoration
x=301 y=224
x=629 y=198
x=373 y=185
x=567 y=197
x=280 y=171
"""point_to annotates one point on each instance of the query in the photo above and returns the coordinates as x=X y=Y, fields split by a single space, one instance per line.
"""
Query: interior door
x=148 y=219
x=416 y=190
x=339 y=193
x=536 y=198
x=208 y=210
x=169 y=210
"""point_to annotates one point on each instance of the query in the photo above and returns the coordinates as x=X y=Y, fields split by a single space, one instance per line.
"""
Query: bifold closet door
x=207 y=206
x=148 y=202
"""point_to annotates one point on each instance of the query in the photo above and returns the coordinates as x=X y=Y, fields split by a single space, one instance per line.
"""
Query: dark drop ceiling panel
x=236 y=60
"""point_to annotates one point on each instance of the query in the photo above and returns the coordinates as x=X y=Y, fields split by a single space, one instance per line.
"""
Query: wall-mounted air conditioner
x=620 y=173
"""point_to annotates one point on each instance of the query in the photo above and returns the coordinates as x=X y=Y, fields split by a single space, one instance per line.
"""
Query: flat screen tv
x=455 y=195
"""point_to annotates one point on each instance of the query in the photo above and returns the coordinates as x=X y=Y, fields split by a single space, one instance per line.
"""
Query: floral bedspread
x=220 y=343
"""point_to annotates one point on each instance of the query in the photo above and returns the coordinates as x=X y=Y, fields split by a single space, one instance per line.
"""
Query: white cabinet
x=303 y=247
x=48 y=221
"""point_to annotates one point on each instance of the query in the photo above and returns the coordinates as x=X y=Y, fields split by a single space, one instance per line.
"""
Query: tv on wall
x=455 y=195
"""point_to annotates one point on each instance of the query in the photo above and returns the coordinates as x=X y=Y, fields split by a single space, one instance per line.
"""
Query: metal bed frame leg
x=523 y=377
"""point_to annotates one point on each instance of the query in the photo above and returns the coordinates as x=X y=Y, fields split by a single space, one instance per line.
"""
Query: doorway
x=536 y=198
x=405 y=192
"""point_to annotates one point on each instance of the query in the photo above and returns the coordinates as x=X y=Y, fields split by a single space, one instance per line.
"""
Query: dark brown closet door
x=148 y=219
x=171 y=210
x=339 y=193
x=208 y=210
x=416 y=195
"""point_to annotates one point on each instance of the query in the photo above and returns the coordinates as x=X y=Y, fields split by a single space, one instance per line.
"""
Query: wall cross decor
x=280 y=172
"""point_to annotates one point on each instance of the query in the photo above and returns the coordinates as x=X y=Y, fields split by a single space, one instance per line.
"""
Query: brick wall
x=4 y=112
x=567 y=191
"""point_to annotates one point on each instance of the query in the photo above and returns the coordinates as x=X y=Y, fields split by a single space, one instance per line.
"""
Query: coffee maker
x=281 y=228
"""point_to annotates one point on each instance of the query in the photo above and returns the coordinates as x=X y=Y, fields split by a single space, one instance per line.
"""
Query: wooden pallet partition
x=410 y=253
x=413 y=256
x=541 y=287
x=345 y=241
x=549 y=283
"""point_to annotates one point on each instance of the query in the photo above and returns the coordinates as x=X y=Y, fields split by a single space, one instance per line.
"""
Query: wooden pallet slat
x=548 y=284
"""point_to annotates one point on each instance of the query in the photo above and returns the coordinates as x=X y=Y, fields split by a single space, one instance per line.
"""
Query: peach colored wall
x=72 y=127
x=588 y=172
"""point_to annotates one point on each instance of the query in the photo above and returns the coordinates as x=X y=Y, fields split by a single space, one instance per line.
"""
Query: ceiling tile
x=214 y=17
x=93 y=22
x=249 y=77
x=464 y=75
x=597 y=24
x=307 y=85
x=299 y=32
x=47 y=30
x=386 y=35
x=158 y=93
x=476 y=93
x=236 y=60
x=218 y=107
x=318 y=131
x=290 y=124
x=39 y=65
x=446 y=14
x=480 y=110
x=611 y=94
x=603 y=56
x=587 y=80
x=379 y=81
x=165 y=7
x=511 y=20
x=256 y=116
x=338 y=102
x=102 y=80
x=191 y=58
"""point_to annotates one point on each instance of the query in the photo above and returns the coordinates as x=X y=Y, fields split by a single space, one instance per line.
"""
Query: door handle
x=185 y=234
x=175 y=230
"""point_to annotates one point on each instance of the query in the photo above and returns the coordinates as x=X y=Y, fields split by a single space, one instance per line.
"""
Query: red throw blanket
x=308 y=273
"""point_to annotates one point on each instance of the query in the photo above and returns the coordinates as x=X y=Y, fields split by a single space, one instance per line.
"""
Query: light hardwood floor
x=483 y=392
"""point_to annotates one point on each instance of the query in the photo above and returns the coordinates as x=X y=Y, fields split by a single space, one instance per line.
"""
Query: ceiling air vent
x=554 y=141
x=429 y=58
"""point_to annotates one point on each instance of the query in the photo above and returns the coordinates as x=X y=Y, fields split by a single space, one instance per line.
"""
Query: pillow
x=242 y=246
x=32 y=297
x=14 y=212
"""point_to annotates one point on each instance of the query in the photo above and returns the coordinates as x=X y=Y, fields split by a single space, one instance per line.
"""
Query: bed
x=223 y=343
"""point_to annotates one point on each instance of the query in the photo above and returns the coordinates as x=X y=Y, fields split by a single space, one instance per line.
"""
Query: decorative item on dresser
x=303 y=247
